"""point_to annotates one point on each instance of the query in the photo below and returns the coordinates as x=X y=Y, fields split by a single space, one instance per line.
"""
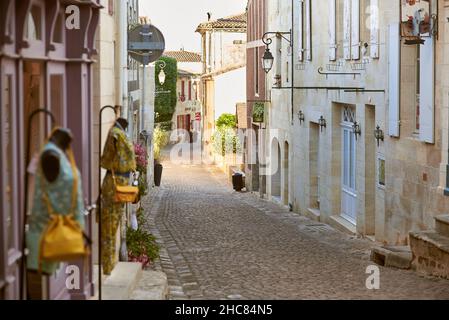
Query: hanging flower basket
x=259 y=112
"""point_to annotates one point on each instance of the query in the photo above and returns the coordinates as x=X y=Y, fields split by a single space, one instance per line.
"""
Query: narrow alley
x=219 y=244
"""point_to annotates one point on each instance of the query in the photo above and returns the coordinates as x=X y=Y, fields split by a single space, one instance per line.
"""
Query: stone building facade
x=355 y=72
x=223 y=78
x=43 y=64
x=255 y=87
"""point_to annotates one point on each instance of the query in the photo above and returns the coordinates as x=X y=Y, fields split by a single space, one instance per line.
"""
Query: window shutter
x=300 y=31
x=427 y=89
x=347 y=29
x=355 y=29
x=374 y=23
x=394 y=80
x=190 y=90
x=308 y=9
x=332 y=30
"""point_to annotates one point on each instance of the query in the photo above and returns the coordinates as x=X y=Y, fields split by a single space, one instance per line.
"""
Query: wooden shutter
x=308 y=9
x=374 y=24
x=427 y=90
x=394 y=80
x=300 y=31
x=355 y=29
x=190 y=90
x=332 y=30
x=347 y=29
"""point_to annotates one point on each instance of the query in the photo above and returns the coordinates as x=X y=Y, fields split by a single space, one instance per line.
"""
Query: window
x=417 y=89
x=256 y=71
x=381 y=171
x=33 y=24
x=7 y=139
x=59 y=29
x=183 y=90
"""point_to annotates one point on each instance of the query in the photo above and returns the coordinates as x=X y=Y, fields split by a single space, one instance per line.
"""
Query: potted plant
x=160 y=140
x=142 y=246
x=141 y=166
x=258 y=112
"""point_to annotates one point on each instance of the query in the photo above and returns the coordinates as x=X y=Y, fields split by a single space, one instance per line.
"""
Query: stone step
x=392 y=256
x=122 y=282
x=152 y=286
x=442 y=225
x=430 y=253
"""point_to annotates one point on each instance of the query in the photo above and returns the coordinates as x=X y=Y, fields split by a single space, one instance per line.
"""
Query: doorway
x=286 y=174
x=275 y=170
x=348 y=156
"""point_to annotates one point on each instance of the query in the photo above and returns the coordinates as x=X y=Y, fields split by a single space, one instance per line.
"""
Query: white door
x=349 y=191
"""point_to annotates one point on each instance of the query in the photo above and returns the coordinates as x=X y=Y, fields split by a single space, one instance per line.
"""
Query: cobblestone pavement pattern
x=219 y=244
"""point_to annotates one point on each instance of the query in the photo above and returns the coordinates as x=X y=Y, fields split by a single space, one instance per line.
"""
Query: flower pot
x=158 y=168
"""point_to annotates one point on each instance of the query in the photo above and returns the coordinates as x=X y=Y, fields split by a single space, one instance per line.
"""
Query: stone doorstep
x=342 y=225
x=434 y=238
x=430 y=253
x=392 y=257
x=442 y=225
x=152 y=286
x=122 y=282
x=313 y=214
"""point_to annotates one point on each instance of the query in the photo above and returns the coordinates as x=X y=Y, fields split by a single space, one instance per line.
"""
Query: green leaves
x=166 y=95
x=226 y=120
x=140 y=242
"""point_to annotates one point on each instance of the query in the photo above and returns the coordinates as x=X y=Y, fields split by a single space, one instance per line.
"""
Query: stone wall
x=415 y=171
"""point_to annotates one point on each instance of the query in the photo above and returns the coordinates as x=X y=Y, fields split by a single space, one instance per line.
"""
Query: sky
x=178 y=19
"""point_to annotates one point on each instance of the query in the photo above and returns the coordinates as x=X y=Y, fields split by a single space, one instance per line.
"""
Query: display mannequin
x=119 y=160
x=55 y=178
x=50 y=160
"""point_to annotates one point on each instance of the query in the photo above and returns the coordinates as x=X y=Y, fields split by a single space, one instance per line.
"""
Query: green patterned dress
x=118 y=155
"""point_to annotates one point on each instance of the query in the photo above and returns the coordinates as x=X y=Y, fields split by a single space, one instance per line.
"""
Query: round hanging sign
x=146 y=43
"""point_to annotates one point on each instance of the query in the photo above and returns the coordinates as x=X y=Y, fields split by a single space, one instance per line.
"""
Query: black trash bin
x=237 y=181
x=158 y=168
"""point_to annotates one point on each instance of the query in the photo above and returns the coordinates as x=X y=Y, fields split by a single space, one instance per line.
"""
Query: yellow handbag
x=63 y=239
x=125 y=194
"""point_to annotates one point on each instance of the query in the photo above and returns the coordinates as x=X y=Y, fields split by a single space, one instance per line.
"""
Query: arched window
x=33 y=24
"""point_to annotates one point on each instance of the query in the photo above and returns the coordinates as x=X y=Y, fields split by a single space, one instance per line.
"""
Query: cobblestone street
x=219 y=244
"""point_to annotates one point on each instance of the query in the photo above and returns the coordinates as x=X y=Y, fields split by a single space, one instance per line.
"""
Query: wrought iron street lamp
x=379 y=135
x=267 y=60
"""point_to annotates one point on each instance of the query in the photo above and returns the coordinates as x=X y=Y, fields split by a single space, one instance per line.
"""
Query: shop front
x=44 y=65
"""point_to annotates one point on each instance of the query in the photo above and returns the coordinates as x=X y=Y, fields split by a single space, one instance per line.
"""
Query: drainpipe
x=292 y=42
x=123 y=41
x=446 y=190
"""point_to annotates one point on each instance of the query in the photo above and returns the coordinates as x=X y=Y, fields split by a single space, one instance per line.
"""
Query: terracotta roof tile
x=183 y=56
x=236 y=23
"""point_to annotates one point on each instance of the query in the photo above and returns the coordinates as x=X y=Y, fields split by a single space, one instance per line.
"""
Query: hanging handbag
x=63 y=239
x=124 y=194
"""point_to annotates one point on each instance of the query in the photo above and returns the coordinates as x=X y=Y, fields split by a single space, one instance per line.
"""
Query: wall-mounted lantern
x=322 y=122
x=301 y=116
x=162 y=76
x=267 y=60
x=379 y=135
x=357 y=129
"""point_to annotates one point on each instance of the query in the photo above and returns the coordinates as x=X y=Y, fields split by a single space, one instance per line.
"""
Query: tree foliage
x=166 y=95
x=226 y=120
